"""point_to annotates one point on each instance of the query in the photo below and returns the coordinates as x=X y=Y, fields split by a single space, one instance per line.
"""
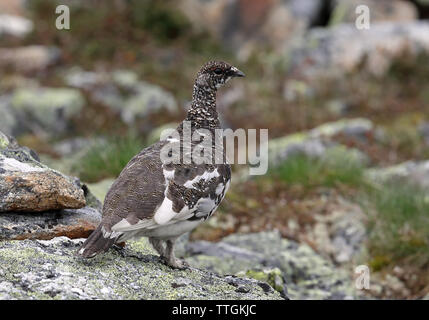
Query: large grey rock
x=48 y=110
x=28 y=185
x=135 y=99
x=308 y=275
x=334 y=52
x=50 y=270
x=124 y=93
x=317 y=142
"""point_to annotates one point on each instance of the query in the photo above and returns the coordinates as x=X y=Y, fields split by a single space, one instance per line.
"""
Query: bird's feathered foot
x=158 y=246
x=171 y=260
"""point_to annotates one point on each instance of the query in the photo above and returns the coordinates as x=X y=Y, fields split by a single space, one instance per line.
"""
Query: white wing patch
x=205 y=176
x=165 y=212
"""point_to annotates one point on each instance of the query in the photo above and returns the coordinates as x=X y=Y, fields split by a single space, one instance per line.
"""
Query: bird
x=159 y=200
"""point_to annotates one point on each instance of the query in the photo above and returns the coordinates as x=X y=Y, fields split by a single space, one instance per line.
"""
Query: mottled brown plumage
x=164 y=200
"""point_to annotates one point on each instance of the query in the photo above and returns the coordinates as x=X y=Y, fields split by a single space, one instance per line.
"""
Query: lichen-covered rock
x=317 y=142
x=137 y=102
x=28 y=185
x=272 y=276
x=134 y=99
x=49 y=110
x=308 y=275
x=356 y=128
x=50 y=270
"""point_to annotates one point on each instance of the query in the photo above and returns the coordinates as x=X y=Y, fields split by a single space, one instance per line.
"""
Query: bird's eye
x=218 y=70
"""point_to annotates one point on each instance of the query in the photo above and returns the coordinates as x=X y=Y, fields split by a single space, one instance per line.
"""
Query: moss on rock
x=50 y=270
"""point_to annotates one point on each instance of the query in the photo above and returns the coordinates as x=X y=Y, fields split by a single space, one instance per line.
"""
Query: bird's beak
x=237 y=73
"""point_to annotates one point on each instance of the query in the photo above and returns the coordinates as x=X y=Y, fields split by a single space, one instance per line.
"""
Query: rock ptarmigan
x=163 y=200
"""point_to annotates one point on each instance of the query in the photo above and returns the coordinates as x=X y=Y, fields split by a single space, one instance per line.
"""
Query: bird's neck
x=203 y=112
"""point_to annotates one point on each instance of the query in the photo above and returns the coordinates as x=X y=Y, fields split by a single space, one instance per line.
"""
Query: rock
x=357 y=128
x=412 y=172
x=317 y=142
x=143 y=98
x=334 y=52
x=273 y=277
x=48 y=110
x=124 y=93
x=28 y=185
x=344 y=11
x=341 y=233
x=28 y=59
x=14 y=25
x=307 y=274
x=148 y=99
x=79 y=78
x=245 y=25
x=50 y=270
x=72 y=223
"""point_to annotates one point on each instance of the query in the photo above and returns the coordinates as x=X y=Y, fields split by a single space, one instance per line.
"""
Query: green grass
x=399 y=228
x=333 y=169
x=107 y=159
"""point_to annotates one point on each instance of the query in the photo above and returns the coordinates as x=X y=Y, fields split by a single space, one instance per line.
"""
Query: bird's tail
x=95 y=244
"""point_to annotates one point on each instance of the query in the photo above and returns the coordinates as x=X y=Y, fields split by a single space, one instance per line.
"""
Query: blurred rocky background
x=348 y=118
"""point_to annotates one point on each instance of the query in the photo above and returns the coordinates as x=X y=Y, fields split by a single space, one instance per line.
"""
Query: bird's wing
x=148 y=194
x=138 y=191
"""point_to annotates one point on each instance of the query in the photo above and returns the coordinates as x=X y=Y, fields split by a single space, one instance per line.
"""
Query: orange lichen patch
x=82 y=229
x=38 y=191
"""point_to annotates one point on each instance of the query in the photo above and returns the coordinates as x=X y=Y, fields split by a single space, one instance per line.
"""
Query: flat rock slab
x=72 y=223
x=49 y=270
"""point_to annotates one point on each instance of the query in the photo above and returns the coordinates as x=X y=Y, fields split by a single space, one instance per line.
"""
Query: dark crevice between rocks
x=324 y=16
x=423 y=9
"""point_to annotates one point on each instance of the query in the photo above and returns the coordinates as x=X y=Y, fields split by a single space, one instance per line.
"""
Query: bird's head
x=215 y=74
